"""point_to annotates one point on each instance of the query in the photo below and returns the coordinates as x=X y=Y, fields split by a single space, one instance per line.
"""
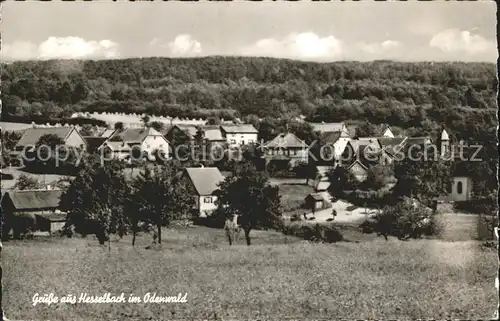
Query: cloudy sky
x=431 y=31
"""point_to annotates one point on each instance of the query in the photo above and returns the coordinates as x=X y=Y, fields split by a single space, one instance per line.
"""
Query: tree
x=248 y=194
x=378 y=177
x=119 y=126
x=405 y=219
x=25 y=182
x=425 y=178
x=341 y=180
x=213 y=121
x=305 y=170
x=160 y=196
x=95 y=199
x=159 y=126
x=87 y=130
x=145 y=120
x=51 y=154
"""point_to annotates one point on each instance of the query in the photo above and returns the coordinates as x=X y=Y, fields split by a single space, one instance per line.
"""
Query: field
x=277 y=276
x=9 y=126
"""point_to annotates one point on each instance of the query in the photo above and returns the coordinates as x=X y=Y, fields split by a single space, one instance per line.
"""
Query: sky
x=311 y=31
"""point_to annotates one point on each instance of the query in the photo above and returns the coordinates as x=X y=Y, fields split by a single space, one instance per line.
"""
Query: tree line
x=102 y=200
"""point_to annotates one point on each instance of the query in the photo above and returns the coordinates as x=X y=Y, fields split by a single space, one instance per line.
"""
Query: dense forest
x=418 y=98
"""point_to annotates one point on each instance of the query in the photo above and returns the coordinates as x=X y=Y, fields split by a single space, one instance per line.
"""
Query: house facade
x=460 y=189
x=286 y=147
x=135 y=143
x=204 y=182
x=238 y=135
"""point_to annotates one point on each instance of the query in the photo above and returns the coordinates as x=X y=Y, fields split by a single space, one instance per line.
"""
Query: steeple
x=444 y=143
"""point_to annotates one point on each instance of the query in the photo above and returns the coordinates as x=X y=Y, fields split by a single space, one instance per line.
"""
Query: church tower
x=444 y=141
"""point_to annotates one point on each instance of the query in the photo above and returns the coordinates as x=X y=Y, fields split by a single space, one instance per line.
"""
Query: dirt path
x=346 y=213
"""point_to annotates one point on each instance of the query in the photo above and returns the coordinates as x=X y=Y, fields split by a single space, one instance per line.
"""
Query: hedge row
x=326 y=233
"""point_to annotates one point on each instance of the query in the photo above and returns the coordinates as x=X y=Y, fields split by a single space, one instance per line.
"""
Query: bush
x=317 y=233
x=487 y=205
x=406 y=219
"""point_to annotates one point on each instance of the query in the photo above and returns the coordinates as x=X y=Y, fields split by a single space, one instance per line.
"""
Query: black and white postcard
x=242 y=160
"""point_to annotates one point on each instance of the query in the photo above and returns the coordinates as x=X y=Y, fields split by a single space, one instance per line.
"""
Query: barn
x=43 y=204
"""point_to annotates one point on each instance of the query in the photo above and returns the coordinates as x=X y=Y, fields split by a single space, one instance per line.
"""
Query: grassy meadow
x=278 y=276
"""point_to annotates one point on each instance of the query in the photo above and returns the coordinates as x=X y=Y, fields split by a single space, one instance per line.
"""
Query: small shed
x=43 y=204
x=314 y=201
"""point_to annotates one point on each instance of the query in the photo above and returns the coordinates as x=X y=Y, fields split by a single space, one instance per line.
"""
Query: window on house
x=207 y=199
x=293 y=152
x=233 y=141
x=459 y=188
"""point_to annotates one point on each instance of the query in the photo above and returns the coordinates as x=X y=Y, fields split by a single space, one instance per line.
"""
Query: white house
x=336 y=135
x=237 y=135
x=134 y=140
x=204 y=182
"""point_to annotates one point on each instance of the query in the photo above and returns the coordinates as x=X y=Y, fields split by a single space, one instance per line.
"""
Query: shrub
x=317 y=233
x=406 y=219
x=296 y=217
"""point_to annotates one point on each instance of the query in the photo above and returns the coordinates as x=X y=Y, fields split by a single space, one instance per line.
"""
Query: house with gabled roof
x=286 y=147
x=335 y=135
x=239 y=134
x=360 y=154
x=137 y=143
x=69 y=135
x=187 y=132
x=204 y=182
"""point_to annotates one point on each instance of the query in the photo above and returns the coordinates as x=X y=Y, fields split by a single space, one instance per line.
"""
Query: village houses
x=122 y=143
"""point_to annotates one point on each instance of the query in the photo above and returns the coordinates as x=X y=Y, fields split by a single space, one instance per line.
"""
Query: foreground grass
x=375 y=279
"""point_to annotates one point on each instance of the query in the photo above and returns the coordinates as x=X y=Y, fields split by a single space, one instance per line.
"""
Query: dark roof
x=288 y=140
x=391 y=141
x=391 y=144
x=134 y=135
x=34 y=199
x=189 y=130
x=205 y=179
x=330 y=137
x=417 y=140
x=93 y=142
x=243 y=128
x=32 y=135
x=107 y=133
x=367 y=157
x=315 y=196
x=352 y=130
